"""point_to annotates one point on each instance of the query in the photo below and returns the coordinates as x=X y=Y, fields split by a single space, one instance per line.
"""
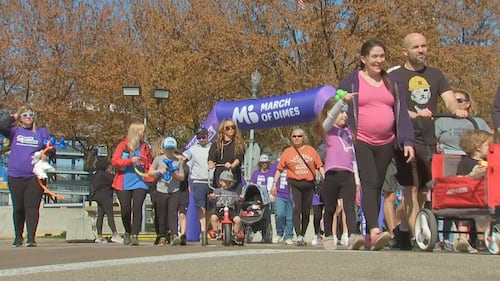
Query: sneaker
x=134 y=240
x=162 y=241
x=447 y=245
x=301 y=241
x=239 y=238
x=380 y=240
x=183 y=240
x=315 y=240
x=329 y=243
x=439 y=246
x=157 y=240
x=31 y=244
x=462 y=245
x=18 y=242
x=126 y=238
x=278 y=239
x=394 y=244
x=116 y=239
x=100 y=240
x=176 y=240
x=355 y=242
x=344 y=239
x=289 y=242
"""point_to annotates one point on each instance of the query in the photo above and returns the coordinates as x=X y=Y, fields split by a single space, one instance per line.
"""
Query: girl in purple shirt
x=341 y=179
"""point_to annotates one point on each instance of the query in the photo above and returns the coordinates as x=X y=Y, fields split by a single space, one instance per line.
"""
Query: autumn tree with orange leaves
x=70 y=59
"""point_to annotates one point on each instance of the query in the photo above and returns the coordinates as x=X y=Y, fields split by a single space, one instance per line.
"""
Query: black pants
x=131 y=207
x=339 y=184
x=104 y=207
x=26 y=195
x=317 y=216
x=167 y=205
x=372 y=163
x=302 y=193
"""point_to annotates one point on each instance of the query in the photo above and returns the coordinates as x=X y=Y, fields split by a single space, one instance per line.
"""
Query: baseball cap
x=169 y=143
x=264 y=158
x=202 y=132
x=227 y=176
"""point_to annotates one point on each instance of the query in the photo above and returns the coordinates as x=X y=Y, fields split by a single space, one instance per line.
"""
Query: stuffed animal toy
x=41 y=167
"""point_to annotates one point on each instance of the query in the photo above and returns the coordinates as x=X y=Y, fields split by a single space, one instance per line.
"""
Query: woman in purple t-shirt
x=26 y=139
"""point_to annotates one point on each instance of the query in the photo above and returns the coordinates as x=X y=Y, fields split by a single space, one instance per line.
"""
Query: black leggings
x=372 y=163
x=317 y=216
x=131 y=207
x=339 y=184
x=302 y=193
x=105 y=206
x=26 y=195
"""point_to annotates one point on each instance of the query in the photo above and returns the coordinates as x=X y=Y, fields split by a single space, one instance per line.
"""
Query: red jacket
x=118 y=162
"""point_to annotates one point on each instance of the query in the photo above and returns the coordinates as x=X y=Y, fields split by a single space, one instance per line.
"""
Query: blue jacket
x=403 y=130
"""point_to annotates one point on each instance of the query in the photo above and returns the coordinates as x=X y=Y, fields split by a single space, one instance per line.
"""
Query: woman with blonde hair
x=130 y=154
x=227 y=152
x=25 y=191
x=303 y=164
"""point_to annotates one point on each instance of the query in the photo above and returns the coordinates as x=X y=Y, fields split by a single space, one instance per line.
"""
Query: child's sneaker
x=183 y=240
x=462 y=245
x=344 y=239
x=176 y=240
x=329 y=243
x=355 y=242
x=380 y=240
x=289 y=242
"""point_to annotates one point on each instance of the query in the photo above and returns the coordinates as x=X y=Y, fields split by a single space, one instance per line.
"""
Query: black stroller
x=255 y=212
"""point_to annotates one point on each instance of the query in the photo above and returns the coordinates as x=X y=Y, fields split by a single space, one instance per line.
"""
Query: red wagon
x=459 y=198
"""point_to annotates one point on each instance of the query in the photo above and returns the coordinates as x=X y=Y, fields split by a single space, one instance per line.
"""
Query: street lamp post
x=135 y=91
x=255 y=77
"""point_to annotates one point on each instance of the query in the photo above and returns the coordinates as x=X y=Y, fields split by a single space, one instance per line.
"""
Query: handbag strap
x=310 y=170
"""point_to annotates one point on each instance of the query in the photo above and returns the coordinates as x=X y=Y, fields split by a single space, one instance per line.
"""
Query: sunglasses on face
x=231 y=127
x=202 y=137
x=26 y=115
x=297 y=136
x=461 y=100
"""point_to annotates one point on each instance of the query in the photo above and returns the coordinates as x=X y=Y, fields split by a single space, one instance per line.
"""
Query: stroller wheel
x=426 y=230
x=248 y=234
x=489 y=239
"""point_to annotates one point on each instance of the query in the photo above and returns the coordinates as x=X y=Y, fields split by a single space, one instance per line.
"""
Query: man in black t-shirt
x=423 y=85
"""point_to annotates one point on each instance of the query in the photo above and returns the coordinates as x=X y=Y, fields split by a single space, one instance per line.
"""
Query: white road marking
x=140 y=260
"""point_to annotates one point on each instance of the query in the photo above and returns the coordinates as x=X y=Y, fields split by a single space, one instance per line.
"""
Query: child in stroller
x=226 y=194
x=256 y=212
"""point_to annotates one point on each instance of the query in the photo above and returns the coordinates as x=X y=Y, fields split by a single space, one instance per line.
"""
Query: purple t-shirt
x=264 y=179
x=339 y=149
x=282 y=190
x=24 y=143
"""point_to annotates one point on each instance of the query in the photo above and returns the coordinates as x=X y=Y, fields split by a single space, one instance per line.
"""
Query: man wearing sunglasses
x=197 y=156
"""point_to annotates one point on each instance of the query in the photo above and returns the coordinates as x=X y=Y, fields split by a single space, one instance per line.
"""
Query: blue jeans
x=283 y=212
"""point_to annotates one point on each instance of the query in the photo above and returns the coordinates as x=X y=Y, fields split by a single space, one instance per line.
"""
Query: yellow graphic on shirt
x=420 y=92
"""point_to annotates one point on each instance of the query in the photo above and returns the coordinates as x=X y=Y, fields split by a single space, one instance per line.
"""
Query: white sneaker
x=344 y=239
x=101 y=240
x=314 y=241
x=335 y=240
x=117 y=239
x=289 y=242
x=278 y=239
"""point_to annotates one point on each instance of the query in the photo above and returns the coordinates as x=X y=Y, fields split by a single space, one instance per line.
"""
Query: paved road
x=56 y=260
